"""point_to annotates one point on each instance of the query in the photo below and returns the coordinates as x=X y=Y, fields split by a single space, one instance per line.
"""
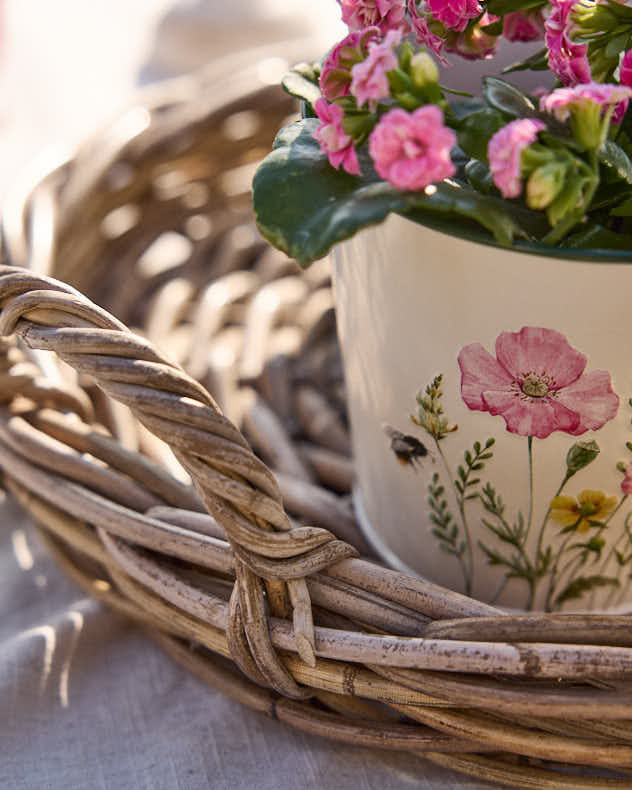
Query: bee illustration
x=408 y=449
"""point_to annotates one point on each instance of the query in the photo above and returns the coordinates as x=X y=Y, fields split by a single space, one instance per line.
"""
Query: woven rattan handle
x=238 y=490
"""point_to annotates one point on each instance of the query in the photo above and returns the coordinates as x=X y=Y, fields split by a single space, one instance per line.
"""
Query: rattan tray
x=258 y=581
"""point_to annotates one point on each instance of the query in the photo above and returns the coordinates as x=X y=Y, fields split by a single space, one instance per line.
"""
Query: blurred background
x=68 y=67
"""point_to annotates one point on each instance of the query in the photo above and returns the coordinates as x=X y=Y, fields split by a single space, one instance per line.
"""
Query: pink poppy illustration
x=537 y=384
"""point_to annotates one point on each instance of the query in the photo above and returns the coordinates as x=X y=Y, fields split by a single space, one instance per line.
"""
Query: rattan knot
x=271 y=556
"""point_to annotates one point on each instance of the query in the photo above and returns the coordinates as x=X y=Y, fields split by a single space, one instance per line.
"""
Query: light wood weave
x=251 y=574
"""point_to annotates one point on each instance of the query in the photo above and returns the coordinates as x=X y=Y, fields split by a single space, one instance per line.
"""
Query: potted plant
x=486 y=294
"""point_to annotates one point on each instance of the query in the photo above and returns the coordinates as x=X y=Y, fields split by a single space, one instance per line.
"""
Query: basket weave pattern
x=256 y=581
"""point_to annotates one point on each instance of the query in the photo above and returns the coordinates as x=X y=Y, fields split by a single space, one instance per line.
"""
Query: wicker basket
x=286 y=613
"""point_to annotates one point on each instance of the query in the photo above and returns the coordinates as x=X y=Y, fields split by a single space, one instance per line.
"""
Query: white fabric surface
x=86 y=700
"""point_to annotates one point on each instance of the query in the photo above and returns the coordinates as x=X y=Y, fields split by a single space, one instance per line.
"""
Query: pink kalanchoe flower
x=626 y=483
x=537 y=384
x=568 y=60
x=561 y=102
x=504 y=152
x=454 y=14
x=335 y=76
x=425 y=36
x=385 y=14
x=411 y=150
x=369 y=82
x=523 y=26
x=332 y=140
x=474 y=43
x=625 y=69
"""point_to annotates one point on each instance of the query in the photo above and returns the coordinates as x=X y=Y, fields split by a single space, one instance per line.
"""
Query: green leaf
x=479 y=176
x=537 y=62
x=596 y=237
x=507 y=98
x=614 y=157
x=617 y=45
x=624 y=209
x=494 y=29
x=475 y=131
x=299 y=86
x=610 y=194
x=577 y=587
x=304 y=206
x=501 y=7
x=493 y=557
x=311 y=71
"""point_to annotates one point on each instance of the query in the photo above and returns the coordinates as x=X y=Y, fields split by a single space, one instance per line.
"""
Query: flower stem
x=500 y=590
x=576 y=563
x=553 y=574
x=468 y=572
x=545 y=521
x=530 y=517
x=606 y=561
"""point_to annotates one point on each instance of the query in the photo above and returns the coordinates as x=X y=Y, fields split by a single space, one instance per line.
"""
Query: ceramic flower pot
x=512 y=480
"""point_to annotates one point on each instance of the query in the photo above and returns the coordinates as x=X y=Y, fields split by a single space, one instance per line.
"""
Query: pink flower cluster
x=625 y=69
x=411 y=150
x=384 y=14
x=568 y=60
x=537 y=383
x=523 y=26
x=335 y=75
x=424 y=34
x=474 y=43
x=562 y=101
x=369 y=81
x=505 y=153
x=332 y=138
x=454 y=14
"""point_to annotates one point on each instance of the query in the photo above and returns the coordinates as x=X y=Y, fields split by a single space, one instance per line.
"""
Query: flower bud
x=580 y=455
x=423 y=70
x=596 y=544
x=544 y=184
x=586 y=125
x=625 y=69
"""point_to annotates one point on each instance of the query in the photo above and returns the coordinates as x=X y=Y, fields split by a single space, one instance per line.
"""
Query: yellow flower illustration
x=589 y=506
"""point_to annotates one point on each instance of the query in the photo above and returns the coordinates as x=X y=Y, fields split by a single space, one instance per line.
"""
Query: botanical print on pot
x=539 y=384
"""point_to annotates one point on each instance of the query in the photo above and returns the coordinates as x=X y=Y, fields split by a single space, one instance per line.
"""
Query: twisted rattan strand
x=230 y=500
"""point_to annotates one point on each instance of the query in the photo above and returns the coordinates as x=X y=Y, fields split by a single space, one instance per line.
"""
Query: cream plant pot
x=511 y=484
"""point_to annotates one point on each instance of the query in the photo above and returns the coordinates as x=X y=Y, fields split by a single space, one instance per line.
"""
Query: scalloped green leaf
x=476 y=130
x=536 y=62
x=479 y=176
x=304 y=206
x=599 y=238
x=507 y=98
x=300 y=87
x=615 y=158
